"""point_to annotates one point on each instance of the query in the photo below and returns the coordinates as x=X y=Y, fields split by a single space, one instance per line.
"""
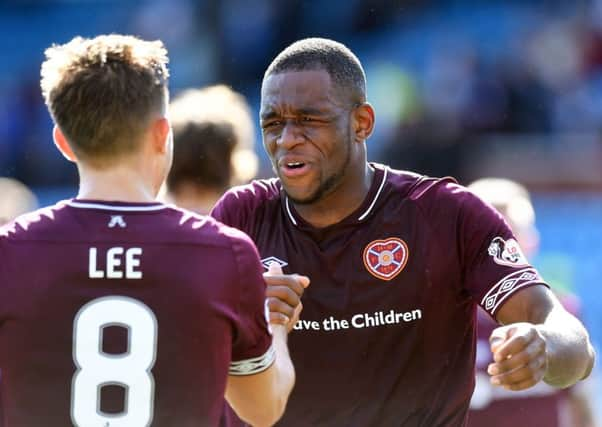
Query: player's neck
x=118 y=183
x=196 y=198
x=341 y=203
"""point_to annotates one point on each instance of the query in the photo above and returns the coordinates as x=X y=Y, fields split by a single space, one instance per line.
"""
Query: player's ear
x=363 y=121
x=161 y=129
x=61 y=143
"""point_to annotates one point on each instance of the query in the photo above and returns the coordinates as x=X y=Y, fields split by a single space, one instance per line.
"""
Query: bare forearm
x=283 y=378
x=260 y=399
x=570 y=355
x=540 y=340
x=286 y=372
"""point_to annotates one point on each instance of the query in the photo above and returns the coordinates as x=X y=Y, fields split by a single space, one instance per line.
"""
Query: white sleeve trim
x=254 y=365
x=507 y=286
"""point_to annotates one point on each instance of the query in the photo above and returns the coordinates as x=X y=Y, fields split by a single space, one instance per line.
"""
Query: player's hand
x=284 y=295
x=519 y=356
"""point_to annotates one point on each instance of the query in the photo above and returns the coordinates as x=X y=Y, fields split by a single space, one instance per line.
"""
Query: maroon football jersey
x=387 y=332
x=124 y=315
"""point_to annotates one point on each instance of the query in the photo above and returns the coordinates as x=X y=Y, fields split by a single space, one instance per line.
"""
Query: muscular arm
x=260 y=399
x=540 y=340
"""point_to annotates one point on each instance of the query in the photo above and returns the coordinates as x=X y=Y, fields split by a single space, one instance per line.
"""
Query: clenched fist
x=284 y=295
x=519 y=356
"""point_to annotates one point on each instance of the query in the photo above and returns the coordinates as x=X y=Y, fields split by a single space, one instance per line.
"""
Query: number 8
x=130 y=370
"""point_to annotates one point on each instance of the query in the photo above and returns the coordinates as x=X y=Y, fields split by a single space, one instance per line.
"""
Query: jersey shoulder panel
x=443 y=199
x=33 y=225
x=413 y=185
x=426 y=192
x=205 y=230
x=235 y=206
x=167 y=225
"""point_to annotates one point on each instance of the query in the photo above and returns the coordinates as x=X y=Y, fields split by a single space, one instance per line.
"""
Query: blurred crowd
x=445 y=76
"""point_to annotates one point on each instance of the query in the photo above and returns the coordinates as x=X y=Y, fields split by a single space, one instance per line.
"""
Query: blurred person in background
x=15 y=199
x=541 y=405
x=214 y=139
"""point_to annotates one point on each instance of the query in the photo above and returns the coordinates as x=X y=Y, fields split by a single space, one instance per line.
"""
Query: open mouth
x=293 y=168
x=294 y=165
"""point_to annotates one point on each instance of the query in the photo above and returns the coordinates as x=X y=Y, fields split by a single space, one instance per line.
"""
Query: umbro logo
x=117 y=221
x=269 y=260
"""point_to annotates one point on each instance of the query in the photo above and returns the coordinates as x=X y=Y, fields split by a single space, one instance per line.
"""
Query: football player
x=117 y=310
x=398 y=263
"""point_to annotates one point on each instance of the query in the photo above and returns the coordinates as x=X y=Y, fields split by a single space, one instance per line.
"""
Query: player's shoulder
x=239 y=205
x=202 y=233
x=254 y=194
x=35 y=224
x=422 y=188
x=195 y=228
x=433 y=194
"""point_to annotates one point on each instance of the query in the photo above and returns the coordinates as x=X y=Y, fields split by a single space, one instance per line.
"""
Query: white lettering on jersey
x=379 y=318
x=359 y=321
x=114 y=263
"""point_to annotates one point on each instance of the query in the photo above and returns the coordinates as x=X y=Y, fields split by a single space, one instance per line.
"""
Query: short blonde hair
x=102 y=92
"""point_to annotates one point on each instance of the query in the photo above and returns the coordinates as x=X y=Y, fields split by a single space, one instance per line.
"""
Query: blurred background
x=468 y=88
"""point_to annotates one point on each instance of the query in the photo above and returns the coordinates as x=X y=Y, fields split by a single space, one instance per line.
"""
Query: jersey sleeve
x=493 y=263
x=228 y=210
x=252 y=350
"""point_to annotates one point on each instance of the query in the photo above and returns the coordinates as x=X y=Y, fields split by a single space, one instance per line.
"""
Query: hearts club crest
x=386 y=258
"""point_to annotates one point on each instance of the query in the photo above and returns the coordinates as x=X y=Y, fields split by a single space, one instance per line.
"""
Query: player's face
x=306 y=133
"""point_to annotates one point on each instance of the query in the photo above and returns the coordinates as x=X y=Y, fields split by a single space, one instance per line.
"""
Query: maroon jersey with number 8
x=116 y=314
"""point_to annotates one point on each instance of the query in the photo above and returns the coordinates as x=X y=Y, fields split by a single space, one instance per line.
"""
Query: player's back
x=123 y=315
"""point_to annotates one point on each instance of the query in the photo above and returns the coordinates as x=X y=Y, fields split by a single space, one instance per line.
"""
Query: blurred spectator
x=214 y=146
x=15 y=199
x=541 y=405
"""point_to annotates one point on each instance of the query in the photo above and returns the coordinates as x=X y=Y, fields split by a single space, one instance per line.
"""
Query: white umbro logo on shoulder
x=117 y=220
x=269 y=260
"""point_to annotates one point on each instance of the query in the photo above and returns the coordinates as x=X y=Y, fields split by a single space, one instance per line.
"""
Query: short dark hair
x=214 y=138
x=102 y=92
x=202 y=153
x=344 y=68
